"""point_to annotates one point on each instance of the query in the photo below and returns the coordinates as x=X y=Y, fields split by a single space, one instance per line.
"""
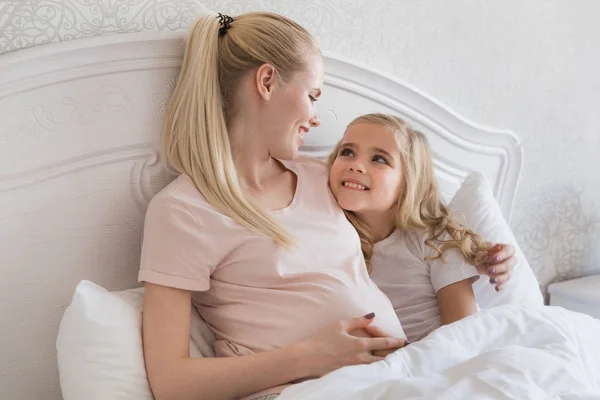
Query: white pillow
x=99 y=345
x=475 y=201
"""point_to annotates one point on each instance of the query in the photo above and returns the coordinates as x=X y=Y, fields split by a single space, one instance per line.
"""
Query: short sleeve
x=177 y=250
x=451 y=268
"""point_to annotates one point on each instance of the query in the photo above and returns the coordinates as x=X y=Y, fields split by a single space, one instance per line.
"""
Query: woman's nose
x=315 y=121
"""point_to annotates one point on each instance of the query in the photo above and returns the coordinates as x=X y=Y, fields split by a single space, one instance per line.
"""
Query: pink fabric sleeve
x=177 y=250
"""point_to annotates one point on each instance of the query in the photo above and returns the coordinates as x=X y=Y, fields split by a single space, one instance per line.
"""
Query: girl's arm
x=174 y=375
x=456 y=301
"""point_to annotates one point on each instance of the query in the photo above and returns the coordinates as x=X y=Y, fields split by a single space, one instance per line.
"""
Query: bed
x=79 y=128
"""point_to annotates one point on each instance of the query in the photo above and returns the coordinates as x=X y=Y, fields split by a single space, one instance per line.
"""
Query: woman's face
x=292 y=110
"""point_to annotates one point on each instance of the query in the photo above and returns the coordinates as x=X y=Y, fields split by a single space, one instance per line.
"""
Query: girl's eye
x=346 y=152
x=380 y=159
x=312 y=98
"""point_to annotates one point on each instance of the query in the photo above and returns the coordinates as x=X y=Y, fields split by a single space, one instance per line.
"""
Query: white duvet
x=508 y=352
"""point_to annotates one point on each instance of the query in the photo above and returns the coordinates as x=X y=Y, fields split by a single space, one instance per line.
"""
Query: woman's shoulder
x=308 y=164
x=312 y=171
x=180 y=190
x=309 y=160
x=180 y=197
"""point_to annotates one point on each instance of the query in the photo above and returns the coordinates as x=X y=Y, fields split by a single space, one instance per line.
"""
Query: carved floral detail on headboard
x=27 y=23
x=99 y=103
x=162 y=99
x=147 y=176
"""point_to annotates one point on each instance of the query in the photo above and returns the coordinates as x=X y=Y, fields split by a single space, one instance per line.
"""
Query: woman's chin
x=285 y=154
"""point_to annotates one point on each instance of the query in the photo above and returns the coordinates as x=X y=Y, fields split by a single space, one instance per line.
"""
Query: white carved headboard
x=79 y=126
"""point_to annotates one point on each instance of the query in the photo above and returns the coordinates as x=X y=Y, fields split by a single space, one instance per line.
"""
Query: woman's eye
x=345 y=152
x=380 y=159
x=312 y=98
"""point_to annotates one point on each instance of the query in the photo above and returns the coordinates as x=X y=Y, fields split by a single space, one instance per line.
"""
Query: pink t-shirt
x=252 y=293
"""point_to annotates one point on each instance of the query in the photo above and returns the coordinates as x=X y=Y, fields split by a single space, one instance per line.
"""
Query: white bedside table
x=581 y=295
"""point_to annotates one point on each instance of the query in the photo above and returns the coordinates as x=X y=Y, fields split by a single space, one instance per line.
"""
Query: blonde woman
x=249 y=233
x=419 y=254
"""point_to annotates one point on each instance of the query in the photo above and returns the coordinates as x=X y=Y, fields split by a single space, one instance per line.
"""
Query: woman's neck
x=381 y=224
x=255 y=167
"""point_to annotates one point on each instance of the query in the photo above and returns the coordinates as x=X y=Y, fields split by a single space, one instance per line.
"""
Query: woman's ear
x=266 y=79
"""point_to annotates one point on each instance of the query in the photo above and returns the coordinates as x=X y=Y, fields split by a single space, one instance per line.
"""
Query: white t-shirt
x=411 y=283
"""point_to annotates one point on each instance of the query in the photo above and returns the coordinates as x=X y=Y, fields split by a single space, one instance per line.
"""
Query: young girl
x=420 y=256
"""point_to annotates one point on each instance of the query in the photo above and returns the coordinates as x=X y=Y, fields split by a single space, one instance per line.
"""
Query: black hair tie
x=225 y=22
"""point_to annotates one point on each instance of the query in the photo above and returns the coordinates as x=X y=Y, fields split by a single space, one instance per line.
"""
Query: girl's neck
x=381 y=224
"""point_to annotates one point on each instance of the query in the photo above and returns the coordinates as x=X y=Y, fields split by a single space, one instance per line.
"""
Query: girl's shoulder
x=402 y=240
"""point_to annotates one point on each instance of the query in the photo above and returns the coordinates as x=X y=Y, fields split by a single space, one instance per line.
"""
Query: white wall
x=530 y=66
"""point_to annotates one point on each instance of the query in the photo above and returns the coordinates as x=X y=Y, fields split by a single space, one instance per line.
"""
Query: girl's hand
x=499 y=265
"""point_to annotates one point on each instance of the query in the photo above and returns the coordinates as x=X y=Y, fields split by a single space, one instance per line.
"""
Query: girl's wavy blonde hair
x=419 y=207
x=195 y=139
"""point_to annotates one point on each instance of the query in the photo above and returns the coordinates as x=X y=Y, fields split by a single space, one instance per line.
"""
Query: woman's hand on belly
x=376 y=332
x=346 y=343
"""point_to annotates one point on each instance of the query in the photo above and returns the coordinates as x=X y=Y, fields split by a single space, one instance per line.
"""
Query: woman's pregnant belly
x=258 y=319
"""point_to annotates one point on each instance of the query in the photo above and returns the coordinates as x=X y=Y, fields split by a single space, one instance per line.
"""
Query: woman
x=249 y=233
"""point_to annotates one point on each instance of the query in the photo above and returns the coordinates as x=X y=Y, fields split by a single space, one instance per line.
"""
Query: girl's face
x=366 y=175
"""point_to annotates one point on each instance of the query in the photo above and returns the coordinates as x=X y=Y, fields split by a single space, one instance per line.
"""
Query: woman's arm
x=456 y=301
x=174 y=375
